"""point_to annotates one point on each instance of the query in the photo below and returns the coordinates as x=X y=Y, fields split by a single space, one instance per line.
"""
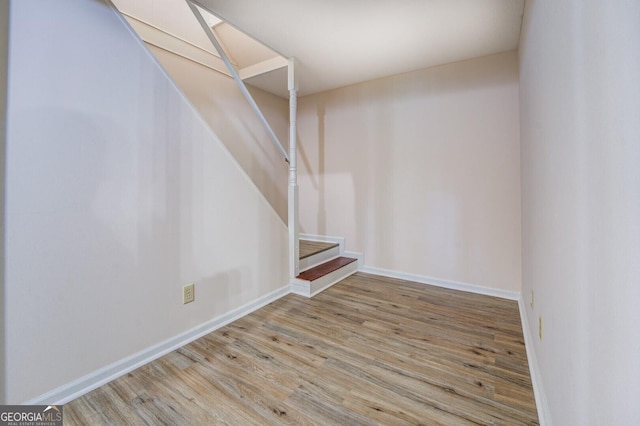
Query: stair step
x=313 y=253
x=309 y=248
x=325 y=268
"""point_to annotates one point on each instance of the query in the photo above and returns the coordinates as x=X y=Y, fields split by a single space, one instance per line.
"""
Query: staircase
x=321 y=266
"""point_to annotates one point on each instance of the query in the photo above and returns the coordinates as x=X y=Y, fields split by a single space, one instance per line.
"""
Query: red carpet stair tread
x=324 y=269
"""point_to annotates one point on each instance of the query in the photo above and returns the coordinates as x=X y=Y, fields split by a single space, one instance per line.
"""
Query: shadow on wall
x=317 y=177
x=226 y=286
x=380 y=179
x=77 y=241
x=417 y=148
x=222 y=106
x=240 y=131
x=4 y=46
x=322 y=208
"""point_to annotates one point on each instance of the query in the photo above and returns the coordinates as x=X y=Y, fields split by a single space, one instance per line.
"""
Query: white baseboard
x=453 y=285
x=544 y=416
x=355 y=255
x=91 y=381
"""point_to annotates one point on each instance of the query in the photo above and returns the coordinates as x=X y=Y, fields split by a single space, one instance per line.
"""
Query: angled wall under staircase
x=117 y=195
x=222 y=106
x=172 y=33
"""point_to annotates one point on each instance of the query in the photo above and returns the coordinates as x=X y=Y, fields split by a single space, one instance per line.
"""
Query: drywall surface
x=218 y=99
x=420 y=171
x=118 y=194
x=4 y=52
x=580 y=97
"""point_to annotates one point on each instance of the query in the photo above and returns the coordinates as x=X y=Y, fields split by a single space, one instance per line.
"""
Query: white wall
x=4 y=45
x=117 y=195
x=221 y=104
x=580 y=132
x=420 y=171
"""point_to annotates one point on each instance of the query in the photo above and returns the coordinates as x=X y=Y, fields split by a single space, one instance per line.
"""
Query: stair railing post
x=294 y=232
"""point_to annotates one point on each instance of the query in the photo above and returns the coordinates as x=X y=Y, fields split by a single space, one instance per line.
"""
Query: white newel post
x=294 y=244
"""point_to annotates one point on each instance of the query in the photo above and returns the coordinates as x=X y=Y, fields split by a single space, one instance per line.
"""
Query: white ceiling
x=341 y=42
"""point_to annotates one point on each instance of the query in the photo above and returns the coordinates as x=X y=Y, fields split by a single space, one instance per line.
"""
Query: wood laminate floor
x=369 y=350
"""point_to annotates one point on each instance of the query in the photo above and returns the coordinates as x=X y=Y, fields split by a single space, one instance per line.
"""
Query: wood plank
x=325 y=268
x=369 y=350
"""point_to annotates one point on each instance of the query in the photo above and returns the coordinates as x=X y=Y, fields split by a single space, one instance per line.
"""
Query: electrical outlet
x=188 y=293
x=540 y=327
